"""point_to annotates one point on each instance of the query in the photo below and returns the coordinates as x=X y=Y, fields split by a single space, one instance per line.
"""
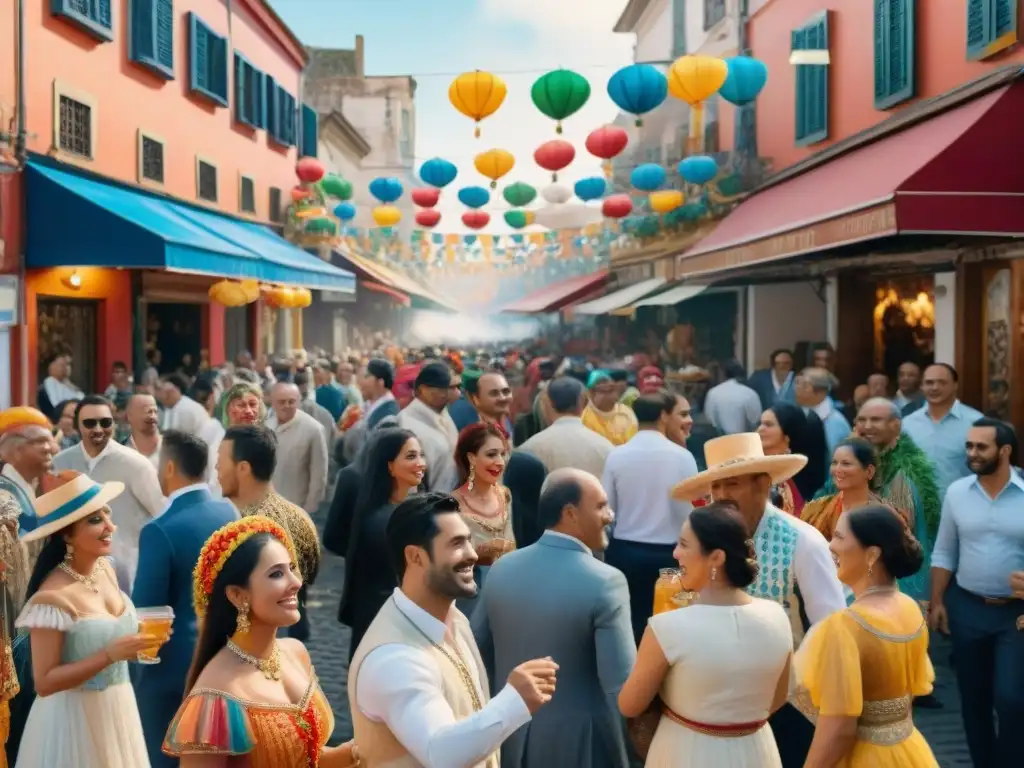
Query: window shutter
x=1005 y=18
x=895 y=46
x=241 y=111
x=143 y=38
x=103 y=13
x=164 y=32
x=310 y=132
x=272 y=109
x=219 y=66
x=978 y=24
x=798 y=42
x=881 y=50
x=199 y=53
x=817 y=123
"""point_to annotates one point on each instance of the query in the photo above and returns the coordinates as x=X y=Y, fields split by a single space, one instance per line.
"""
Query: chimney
x=360 y=68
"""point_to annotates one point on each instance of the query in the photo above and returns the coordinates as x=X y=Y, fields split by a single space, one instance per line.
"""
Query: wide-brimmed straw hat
x=735 y=455
x=77 y=497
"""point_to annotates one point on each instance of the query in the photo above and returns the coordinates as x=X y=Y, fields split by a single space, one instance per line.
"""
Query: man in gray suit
x=554 y=599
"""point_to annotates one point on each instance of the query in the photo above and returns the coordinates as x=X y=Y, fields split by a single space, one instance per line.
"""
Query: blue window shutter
x=103 y=14
x=895 y=52
x=219 y=67
x=798 y=42
x=142 y=42
x=979 y=23
x=310 y=131
x=1004 y=18
x=241 y=113
x=93 y=17
x=199 y=51
x=272 y=109
x=259 y=99
x=151 y=39
x=164 y=13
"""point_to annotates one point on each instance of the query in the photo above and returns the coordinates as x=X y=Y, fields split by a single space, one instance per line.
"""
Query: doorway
x=68 y=326
x=175 y=330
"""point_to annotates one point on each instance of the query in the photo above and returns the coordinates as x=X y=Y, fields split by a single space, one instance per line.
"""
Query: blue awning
x=75 y=220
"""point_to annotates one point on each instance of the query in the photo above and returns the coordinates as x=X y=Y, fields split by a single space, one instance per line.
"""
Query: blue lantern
x=698 y=169
x=745 y=80
x=590 y=188
x=638 y=89
x=345 y=211
x=474 y=197
x=647 y=177
x=387 y=189
x=438 y=172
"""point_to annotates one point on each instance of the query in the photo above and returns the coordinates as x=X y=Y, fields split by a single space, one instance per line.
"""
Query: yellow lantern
x=303 y=297
x=251 y=289
x=665 y=200
x=477 y=95
x=229 y=293
x=386 y=215
x=494 y=163
x=530 y=218
x=694 y=79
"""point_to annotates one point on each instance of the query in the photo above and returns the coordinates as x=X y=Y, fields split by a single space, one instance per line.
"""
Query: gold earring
x=714 y=573
x=70 y=554
x=242 y=621
x=472 y=478
x=871 y=569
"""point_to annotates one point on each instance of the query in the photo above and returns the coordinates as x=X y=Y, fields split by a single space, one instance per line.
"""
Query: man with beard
x=104 y=460
x=981 y=541
x=417 y=687
x=144 y=422
x=555 y=597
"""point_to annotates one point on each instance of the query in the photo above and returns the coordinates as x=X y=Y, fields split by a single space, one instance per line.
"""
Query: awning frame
x=558 y=296
x=623 y=297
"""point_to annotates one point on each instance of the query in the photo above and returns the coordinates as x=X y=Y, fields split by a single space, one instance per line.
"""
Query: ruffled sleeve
x=922 y=673
x=42 y=615
x=209 y=723
x=828 y=672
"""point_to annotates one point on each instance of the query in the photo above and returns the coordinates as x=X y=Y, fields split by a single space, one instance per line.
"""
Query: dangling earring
x=714 y=573
x=242 y=621
x=470 y=481
x=70 y=554
x=871 y=569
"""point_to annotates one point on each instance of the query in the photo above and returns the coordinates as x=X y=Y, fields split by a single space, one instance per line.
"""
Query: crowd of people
x=506 y=520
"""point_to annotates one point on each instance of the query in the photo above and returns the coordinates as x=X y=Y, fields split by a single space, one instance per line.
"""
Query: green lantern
x=515 y=219
x=333 y=185
x=321 y=226
x=519 y=194
x=559 y=94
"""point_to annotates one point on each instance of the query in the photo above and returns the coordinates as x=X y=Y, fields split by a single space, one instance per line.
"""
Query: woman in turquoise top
x=83 y=631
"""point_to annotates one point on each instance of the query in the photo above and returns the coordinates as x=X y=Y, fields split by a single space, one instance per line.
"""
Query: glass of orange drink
x=666 y=588
x=156 y=621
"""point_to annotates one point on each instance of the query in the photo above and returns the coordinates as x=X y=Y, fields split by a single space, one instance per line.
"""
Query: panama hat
x=76 y=497
x=735 y=455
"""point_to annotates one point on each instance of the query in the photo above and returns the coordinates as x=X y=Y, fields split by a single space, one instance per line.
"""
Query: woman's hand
x=344 y=756
x=128 y=647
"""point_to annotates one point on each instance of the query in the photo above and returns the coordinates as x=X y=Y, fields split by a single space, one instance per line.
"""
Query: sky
x=519 y=40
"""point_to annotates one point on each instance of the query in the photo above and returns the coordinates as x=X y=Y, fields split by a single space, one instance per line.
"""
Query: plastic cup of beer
x=156 y=621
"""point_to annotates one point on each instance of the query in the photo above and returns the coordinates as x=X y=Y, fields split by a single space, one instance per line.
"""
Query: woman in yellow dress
x=859 y=670
x=253 y=699
x=604 y=413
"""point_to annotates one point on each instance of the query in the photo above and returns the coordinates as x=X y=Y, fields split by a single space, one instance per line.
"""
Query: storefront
x=114 y=273
x=880 y=221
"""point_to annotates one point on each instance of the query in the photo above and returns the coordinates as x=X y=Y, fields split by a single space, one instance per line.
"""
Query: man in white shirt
x=567 y=443
x=144 y=421
x=181 y=412
x=638 y=478
x=57 y=386
x=427 y=417
x=732 y=406
x=417 y=687
x=301 y=472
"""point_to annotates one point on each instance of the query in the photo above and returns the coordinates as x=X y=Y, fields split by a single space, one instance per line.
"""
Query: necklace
x=494 y=524
x=271 y=668
x=89 y=581
x=885 y=590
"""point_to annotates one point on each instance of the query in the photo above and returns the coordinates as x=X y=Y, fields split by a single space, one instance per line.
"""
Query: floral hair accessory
x=221 y=545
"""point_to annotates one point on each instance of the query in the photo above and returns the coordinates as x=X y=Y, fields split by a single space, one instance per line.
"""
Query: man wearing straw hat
x=796 y=567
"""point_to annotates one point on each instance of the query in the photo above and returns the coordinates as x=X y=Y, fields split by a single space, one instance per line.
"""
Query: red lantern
x=617 y=206
x=426 y=197
x=428 y=217
x=554 y=155
x=476 y=219
x=309 y=170
x=299 y=194
x=607 y=142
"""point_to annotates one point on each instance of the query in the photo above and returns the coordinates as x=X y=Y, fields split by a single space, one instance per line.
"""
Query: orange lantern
x=303 y=298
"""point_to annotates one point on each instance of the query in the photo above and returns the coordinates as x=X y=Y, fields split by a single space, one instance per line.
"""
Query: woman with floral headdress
x=253 y=699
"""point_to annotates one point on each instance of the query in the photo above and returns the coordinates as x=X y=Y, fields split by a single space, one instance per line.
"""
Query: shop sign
x=8 y=300
x=338 y=297
x=870 y=224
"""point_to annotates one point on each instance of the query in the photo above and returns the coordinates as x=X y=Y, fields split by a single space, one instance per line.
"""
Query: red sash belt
x=728 y=731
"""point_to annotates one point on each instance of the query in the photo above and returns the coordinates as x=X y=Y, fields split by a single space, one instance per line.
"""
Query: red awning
x=949 y=174
x=552 y=298
x=398 y=296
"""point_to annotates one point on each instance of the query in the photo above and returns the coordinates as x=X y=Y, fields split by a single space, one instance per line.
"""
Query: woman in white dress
x=720 y=666
x=83 y=630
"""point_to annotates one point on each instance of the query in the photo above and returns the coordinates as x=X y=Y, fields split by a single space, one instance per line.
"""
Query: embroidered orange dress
x=211 y=722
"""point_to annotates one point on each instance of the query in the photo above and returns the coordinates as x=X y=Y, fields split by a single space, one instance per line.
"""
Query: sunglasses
x=105 y=423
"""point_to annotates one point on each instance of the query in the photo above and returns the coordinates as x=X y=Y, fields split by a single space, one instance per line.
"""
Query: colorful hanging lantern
x=637 y=89
x=494 y=163
x=476 y=219
x=607 y=141
x=519 y=219
x=647 y=177
x=698 y=169
x=428 y=217
x=299 y=194
x=617 y=206
x=474 y=197
x=554 y=155
x=694 y=79
x=744 y=81
x=477 y=95
x=345 y=211
x=519 y=194
x=426 y=197
x=559 y=94
x=309 y=170
x=279 y=297
x=665 y=200
x=386 y=215
x=230 y=293
x=387 y=189
x=251 y=289
x=333 y=185
x=438 y=172
x=301 y=298
x=320 y=227
x=590 y=188
x=556 y=194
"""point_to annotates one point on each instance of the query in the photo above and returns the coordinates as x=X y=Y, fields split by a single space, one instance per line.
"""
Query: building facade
x=160 y=137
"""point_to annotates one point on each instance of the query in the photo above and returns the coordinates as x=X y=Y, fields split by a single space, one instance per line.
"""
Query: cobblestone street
x=329 y=649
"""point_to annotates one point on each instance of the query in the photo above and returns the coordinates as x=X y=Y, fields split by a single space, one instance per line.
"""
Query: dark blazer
x=382 y=411
x=338 y=526
x=524 y=476
x=463 y=413
x=169 y=548
x=761 y=382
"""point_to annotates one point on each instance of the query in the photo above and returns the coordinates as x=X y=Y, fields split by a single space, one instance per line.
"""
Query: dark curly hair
x=471 y=440
x=720 y=525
